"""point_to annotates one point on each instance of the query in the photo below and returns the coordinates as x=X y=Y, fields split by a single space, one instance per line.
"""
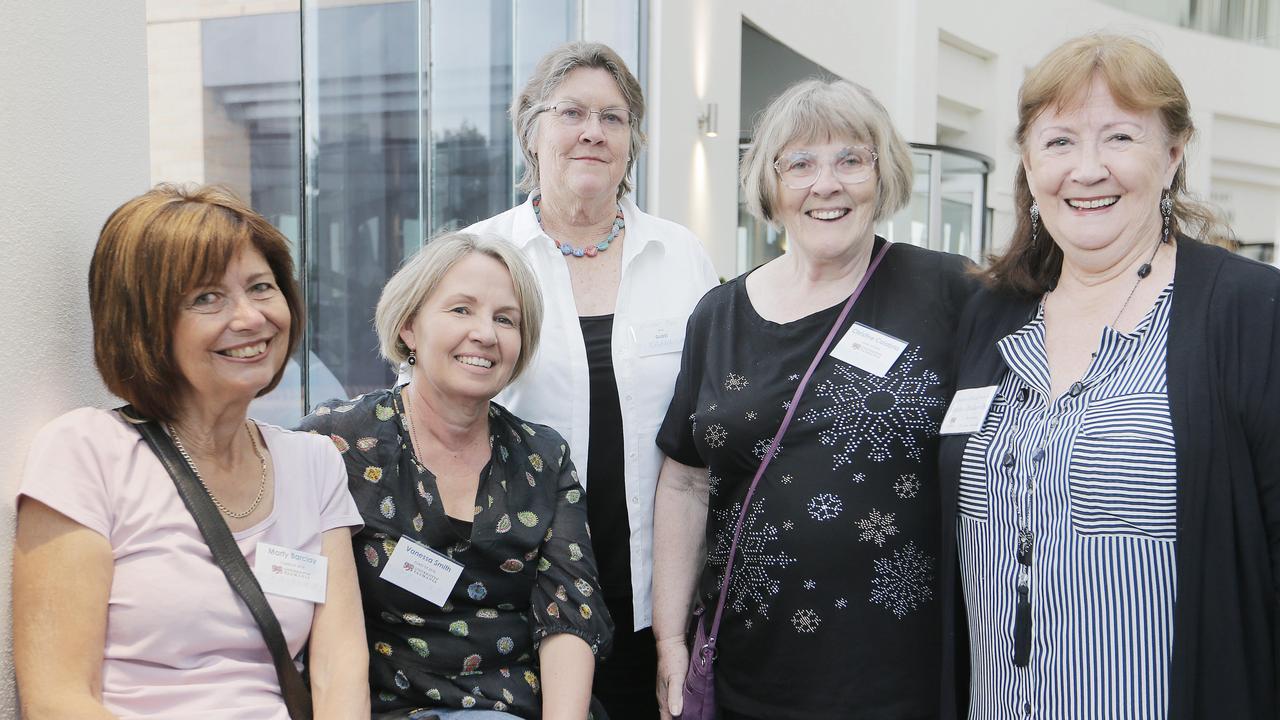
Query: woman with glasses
x=619 y=286
x=831 y=609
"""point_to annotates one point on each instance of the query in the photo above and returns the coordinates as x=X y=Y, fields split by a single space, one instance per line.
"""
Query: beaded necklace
x=588 y=250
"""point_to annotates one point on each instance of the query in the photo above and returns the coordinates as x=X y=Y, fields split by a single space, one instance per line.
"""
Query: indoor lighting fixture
x=707 y=120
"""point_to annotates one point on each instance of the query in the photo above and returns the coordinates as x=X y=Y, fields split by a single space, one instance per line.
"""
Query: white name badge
x=657 y=337
x=968 y=410
x=422 y=571
x=869 y=349
x=291 y=573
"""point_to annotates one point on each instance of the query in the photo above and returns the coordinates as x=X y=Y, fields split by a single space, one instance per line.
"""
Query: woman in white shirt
x=619 y=286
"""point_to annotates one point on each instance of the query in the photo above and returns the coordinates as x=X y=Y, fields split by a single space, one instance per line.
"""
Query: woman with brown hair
x=119 y=608
x=1114 y=515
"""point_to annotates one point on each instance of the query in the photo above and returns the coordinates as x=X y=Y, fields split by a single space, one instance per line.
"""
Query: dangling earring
x=1035 y=221
x=413 y=358
x=1166 y=212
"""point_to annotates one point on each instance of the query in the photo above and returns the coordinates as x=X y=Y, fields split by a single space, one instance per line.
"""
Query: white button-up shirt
x=665 y=271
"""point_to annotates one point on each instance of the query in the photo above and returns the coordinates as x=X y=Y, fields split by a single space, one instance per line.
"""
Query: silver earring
x=413 y=358
x=1166 y=212
x=1035 y=221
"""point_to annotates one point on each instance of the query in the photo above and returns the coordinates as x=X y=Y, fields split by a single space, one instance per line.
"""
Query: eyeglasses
x=571 y=114
x=801 y=169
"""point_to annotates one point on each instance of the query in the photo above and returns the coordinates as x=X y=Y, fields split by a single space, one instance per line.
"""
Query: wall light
x=707 y=121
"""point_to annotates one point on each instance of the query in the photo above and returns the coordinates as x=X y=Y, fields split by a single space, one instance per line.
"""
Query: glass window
x=357 y=128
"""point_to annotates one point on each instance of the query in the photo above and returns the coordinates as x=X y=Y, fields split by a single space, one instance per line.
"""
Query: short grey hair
x=421 y=274
x=813 y=111
x=552 y=69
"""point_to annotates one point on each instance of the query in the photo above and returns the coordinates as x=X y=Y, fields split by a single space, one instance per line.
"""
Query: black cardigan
x=1224 y=398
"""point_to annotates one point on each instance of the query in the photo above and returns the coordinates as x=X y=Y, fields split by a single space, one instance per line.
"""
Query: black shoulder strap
x=226 y=553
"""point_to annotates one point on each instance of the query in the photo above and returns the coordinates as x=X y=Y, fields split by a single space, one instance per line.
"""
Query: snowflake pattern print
x=715 y=436
x=824 y=507
x=806 y=621
x=736 y=382
x=877 y=527
x=884 y=412
x=762 y=447
x=904 y=581
x=758 y=557
x=907 y=486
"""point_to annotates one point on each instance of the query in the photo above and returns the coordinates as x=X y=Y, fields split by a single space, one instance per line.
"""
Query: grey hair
x=816 y=110
x=552 y=69
x=421 y=274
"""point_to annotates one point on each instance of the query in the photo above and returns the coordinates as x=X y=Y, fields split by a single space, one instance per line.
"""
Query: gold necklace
x=262 y=482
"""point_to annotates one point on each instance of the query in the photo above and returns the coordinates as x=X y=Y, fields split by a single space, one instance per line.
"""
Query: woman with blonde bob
x=1114 y=520
x=834 y=575
x=442 y=475
x=119 y=608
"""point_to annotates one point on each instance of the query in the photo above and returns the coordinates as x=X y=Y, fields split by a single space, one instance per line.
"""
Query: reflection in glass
x=363 y=182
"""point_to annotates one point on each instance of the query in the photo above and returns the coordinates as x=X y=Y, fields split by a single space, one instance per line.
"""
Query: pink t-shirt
x=180 y=642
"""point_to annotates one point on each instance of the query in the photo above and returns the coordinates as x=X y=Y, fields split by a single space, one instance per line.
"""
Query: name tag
x=868 y=349
x=657 y=337
x=291 y=573
x=968 y=410
x=422 y=571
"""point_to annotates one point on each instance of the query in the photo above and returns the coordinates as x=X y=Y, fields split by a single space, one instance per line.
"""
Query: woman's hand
x=679 y=550
x=339 y=655
x=62 y=573
x=673 y=665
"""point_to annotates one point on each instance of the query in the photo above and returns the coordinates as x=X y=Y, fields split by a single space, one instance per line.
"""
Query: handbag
x=227 y=555
x=699 y=690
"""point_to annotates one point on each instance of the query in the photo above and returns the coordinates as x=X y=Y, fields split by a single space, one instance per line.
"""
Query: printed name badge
x=657 y=337
x=422 y=571
x=968 y=410
x=869 y=349
x=291 y=573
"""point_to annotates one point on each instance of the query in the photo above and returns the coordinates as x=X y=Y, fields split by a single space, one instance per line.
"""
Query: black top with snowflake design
x=528 y=570
x=832 y=609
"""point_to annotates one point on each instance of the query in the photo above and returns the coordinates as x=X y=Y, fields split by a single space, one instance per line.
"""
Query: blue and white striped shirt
x=1095 y=473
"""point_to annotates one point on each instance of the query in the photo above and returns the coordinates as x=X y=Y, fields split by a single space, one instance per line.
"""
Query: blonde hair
x=813 y=110
x=421 y=274
x=552 y=69
x=1139 y=80
x=152 y=252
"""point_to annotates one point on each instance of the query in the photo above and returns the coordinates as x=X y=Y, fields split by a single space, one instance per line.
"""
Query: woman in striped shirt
x=1116 y=514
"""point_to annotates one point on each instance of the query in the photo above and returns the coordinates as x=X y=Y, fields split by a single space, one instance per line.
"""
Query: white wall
x=73 y=146
x=909 y=53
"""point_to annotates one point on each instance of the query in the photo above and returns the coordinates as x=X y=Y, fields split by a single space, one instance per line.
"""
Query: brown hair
x=552 y=69
x=153 y=251
x=1139 y=80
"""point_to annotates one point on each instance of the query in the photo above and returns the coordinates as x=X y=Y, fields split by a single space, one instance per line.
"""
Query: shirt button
x=628 y=396
x=1023 y=394
x=633 y=456
x=1007 y=460
x=1026 y=707
x=1038 y=456
x=1076 y=389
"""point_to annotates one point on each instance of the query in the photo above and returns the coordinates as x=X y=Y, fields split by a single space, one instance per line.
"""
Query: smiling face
x=466 y=334
x=829 y=218
x=1097 y=172
x=586 y=161
x=231 y=338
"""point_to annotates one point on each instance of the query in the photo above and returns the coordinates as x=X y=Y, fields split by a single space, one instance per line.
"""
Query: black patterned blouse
x=832 y=609
x=528 y=567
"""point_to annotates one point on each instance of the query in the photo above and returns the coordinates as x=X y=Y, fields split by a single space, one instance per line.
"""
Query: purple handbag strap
x=708 y=649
